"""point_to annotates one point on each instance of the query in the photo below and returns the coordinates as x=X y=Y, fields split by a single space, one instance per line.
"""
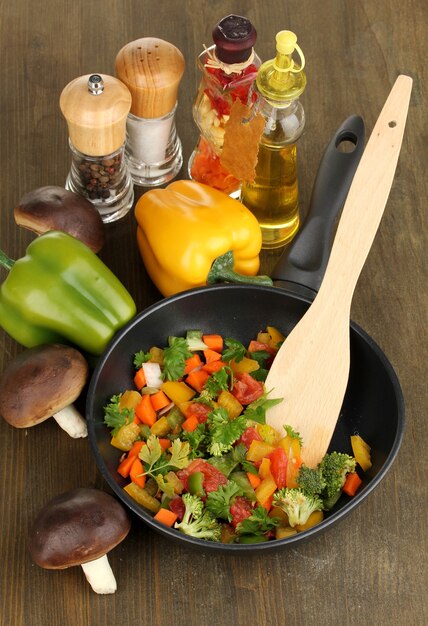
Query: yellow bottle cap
x=282 y=79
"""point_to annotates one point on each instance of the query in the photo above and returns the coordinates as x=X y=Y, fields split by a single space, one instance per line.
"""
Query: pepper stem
x=5 y=261
x=222 y=271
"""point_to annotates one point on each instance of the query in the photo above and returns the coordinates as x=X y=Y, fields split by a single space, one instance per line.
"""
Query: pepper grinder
x=95 y=108
x=152 y=70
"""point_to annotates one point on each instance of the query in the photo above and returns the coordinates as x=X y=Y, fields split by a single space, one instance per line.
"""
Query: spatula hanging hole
x=392 y=124
x=346 y=142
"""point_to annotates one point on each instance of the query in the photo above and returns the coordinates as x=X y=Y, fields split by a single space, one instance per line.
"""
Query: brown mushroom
x=56 y=208
x=79 y=527
x=42 y=382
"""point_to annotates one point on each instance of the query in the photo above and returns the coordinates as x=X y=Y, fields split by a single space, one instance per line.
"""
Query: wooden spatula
x=311 y=369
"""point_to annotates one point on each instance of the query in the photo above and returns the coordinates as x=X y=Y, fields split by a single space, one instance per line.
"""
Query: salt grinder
x=152 y=70
x=95 y=108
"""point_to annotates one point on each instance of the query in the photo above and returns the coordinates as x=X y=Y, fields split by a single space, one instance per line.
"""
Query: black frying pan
x=373 y=406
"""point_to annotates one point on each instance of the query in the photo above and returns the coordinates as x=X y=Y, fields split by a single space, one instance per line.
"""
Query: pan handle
x=304 y=262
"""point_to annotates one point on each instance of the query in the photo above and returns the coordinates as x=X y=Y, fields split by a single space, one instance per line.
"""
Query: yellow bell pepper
x=185 y=227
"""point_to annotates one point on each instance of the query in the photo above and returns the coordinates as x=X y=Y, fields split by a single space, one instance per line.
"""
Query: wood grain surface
x=369 y=569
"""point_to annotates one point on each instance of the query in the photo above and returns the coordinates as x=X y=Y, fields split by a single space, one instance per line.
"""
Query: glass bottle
x=95 y=108
x=152 y=69
x=228 y=69
x=273 y=196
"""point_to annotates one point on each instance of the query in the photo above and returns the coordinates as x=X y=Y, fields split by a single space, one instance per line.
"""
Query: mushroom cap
x=56 y=208
x=40 y=381
x=75 y=527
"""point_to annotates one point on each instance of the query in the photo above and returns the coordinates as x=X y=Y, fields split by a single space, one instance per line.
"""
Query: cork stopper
x=96 y=107
x=152 y=69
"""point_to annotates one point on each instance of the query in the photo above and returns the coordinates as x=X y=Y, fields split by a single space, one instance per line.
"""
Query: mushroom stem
x=71 y=421
x=100 y=575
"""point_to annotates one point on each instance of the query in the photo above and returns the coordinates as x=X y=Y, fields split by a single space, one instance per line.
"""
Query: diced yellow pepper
x=140 y=495
x=264 y=469
x=276 y=336
x=126 y=436
x=244 y=365
x=266 y=489
x=129 y=400
x=156 y=355
x=258 y=450
x=279 y=513
x=177 y=391
x=161 y=427
x=314 y=518
x=361 y=451
x=282 y=532
x=227 y=401
x=263 y=337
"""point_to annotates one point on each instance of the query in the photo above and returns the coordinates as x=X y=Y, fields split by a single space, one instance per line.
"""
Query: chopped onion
x=152 y=373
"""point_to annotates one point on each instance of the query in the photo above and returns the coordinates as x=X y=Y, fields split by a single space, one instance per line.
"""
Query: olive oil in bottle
x=273 y=195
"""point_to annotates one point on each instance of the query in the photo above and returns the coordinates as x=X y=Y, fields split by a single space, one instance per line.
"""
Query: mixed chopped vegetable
x=199 y=455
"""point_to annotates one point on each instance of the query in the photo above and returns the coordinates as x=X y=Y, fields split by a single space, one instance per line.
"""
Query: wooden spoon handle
x=368 y=195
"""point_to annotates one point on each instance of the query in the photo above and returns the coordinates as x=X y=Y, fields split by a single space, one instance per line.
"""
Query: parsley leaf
x=218 y=502
x=223 y=431
x=115 y=417
x=292 y=434
x=257 y=523
x=228 y=462
x=141 y=357
x=218 y=381
x=165 y=486
x=261 y=356
x=159 y=463
x=256 y=411
x=174 y=358
x=197 y=440
x=235 y=350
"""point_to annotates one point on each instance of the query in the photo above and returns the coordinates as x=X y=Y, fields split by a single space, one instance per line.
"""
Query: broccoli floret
x=311 y=480
x=197 y=521
x=297 y=505
x=334 y=467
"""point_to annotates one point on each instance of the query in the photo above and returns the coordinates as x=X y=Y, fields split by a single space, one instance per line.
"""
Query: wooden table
x=371 y=569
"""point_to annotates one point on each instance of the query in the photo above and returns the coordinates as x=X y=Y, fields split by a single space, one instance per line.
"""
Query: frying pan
x=373 y=405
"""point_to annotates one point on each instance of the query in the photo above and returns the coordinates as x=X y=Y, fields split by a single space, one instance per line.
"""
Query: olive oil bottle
x=273 y=195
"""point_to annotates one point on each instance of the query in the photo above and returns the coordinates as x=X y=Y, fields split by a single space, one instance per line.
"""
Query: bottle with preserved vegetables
x=273 y=195
x=229 y=68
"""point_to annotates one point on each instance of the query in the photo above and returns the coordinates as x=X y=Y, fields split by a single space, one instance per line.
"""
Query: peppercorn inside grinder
x=152 y=69
x=95 y=108
x=229 y=68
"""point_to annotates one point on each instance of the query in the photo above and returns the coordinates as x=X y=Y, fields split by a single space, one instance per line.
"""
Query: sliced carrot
x=145 y=411
x=159 y=400
x=197 y=379
x=140 y=379
x=214 y=366
x=192 y=363
x=352 y=482
x=211 y=355
x=190 y=424
x=137 y=473
x=125 y=466
x=166 y=517
x=164 y=443
x=214 y=342
x=254 y=480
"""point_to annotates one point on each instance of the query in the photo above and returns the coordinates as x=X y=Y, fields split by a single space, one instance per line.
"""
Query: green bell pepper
x=60 y=291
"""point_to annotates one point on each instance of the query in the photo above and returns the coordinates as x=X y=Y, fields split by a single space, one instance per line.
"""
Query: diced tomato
x=177 y=506
x=248 y=436
x=213 y=478
x=278 y=467
x=240 y=509
x=200 y=410
x=246 y=389
x=258 y=346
